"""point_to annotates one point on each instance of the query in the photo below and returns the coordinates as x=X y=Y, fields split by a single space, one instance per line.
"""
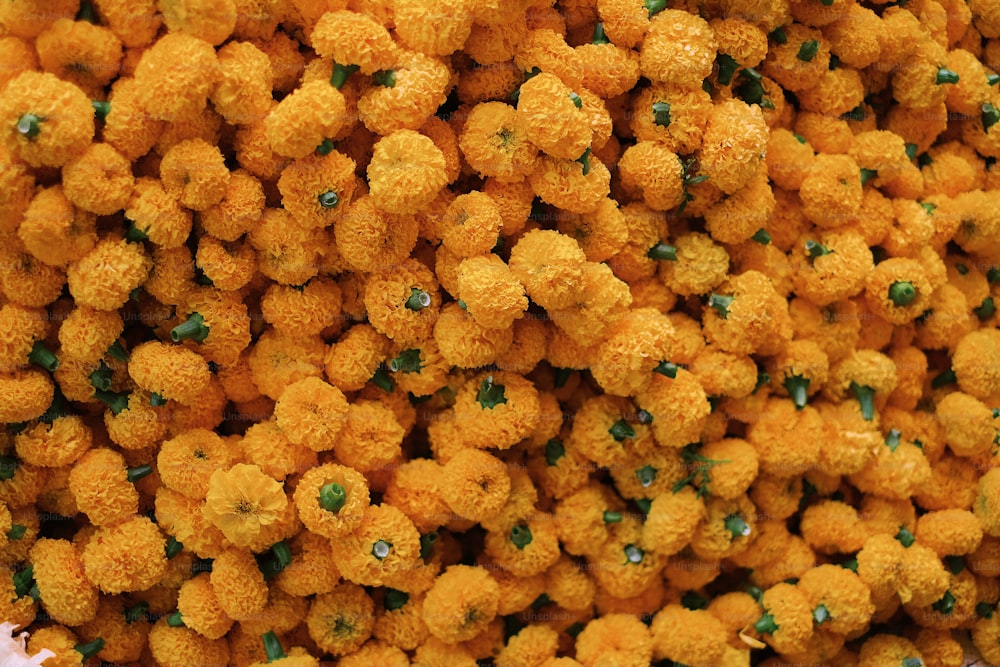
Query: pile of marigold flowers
x=496 y=332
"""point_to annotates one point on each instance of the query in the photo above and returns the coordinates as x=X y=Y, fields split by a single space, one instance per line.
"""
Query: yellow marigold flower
x=22 y=328
x=352 y=38
x=405 y=95
x=386 y=544
x=331 y=499
x=674 y=115
x=464 y=342
x=610 y=70
x=419 y=371
x=179 y=646
x=691 y=635
x=80 y=52
x=45 y=121
x=550 y=113
x=353 y=359
x=229 y=265
x=371 y=436
x=240 y=208
x=462 y=602
x=278 y=360
x=314 y=111
x=195 y=173
x=471 y=224
x=312 y=570
x=402 y=301
x=729 y=156
x=401 y=622
x=176 y=75
x=548 y=264
x=490 y=291
x=157 y=214
x=17 y=181
x=656 y=172
x=134 y=22
x=66 y=594
x=18 y=56
x=342 y=620
x=100 y=484
x=437 y=30
x=56 y=444
x=525 y=547
x=128 y=556
x=29 y=394
x=213 y=22
x=181 y=518
x=406 y=172
x=100 y=180
x=602 y=233
x=104 y=277
x=243 y=95
x=568 y=185
x=200 y=609
x=317 y=189
x=497 y=409
x=172 y=371
x=238 y=584
x=311 y=413
x=186 y=462
x=475 y=484
x=241 y=501
x=678 y=47
x=372 y=239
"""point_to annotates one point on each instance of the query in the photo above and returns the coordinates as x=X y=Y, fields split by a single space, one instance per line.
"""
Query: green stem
x=761 y=236
x=599 y=36
x=341 y=73
x=585 y=161
x=117 y=352
x=736 y=525
x=945 y=75
x=892 y=439
x=720 y=304
x=867 y=175
x=634 y=554
x=644 y=504
x=135 y=235
x=408 y=361
x=381 y=549
x=913 y=662
x=175 y=620
x=946 y=604
x=29 y=125
x=646 y=475
x=90 y=649
x=621 y=430
x=661 y=113
x=644 y=417
x=326 y=147
x=561 y=376
x=520 y=535
x=667 y=369
x=86 y=13
x=902 y=293
x=418 y=299
x=272 y=646
x=328 y=199
x=8 y=467
x=156 y=400
x=808 y=50
x=797 y=387
x=989 y=116
x=385 y=78
x=427 y=543
x=727 y=68
x=778 y=35
x=43 y=356
x=986 y=309
x=612 y=517
x=23 y=581
x=101 y=109
x=766 y=625
x=490 y=394
x=282 y=554
x=332 y=497
x=816 y=249
x=138 y=472
x=663 y=251
x=174 y=547
x=135 y=612
x=395 y=599
x=554 y=450
x=984 y=610
x=992 y=79
x=577 y=100
x=905 y=537
x=821 y=614
x=16 y=531
x=192 y=329
x=943 y=379
x=382 y=380
x=654 y=7
x=866 y=398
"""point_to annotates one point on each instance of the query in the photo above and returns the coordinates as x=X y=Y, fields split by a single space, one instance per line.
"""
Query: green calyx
x=661 y=114
x=911 y=151
x=332 y=497
x=962 y=269
x=928 y=207
x=663 y=251
x=275 y=560
x=946 y=604
x=101 y=377
x=418 y=300
x=599 y=36
x=720 y=304
x=816 y=249
x=827 y=3
x=667 y=369
x=136 y=612
x=912 y=662
x=341 y=73
x=43 y=356
x=560 y=377
x=850 y=564
x=138 y=472
x=866 y=398
x=761 y=236
x=727 y=68
x=984 y=610
x=699 y=467
x=175 y=620
x=821 y=614
x=902 y=293
x=945 y=75
x=381 y=549
x=633 y=554
x=892 y=439
x=520 y=536
x=986 y=309
x=585 y=161
x=554 y=450
x=993 y=276
x=750 y=88
x=867 y=175
x=192 y=329
x=382 y=380
x=612 y=517
x=24 y=581
x=736 y=525
x=117 y=352
x=157 y=401
x=577 y=100
x=644 y=417
x=408 y=361
x=693 y=600
x=173 y=547
x=116 y=402
x=101 y=109
x=955 y=564
x=29 y=125
x=644 y=504
x=326 y=147
x=490 y=394
x=646 y=475
x=905 y=537
x=133 y=234
x=621 y=430
x=90 y=649
x=943 y=379
x=654 y=7
x=989 y=116
x=427 y=543
x=808 y=50
x=778 y=35
x=16 y=531
x=8 y=467
x=395 y=599
x=992 y=79
x=272 y=647
x=766 y=625
x=328 y=199
x=386 y=78
x=797 y=387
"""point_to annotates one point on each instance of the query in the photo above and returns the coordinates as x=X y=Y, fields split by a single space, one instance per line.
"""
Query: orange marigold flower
x=406 y=172
x=317 y=189
x=181 y=646
x=372 y=239
x=462 y=602
x=244 y=91
x=186 y=462
x=100 y=180
x=311 y=413
x=172 y=371
x=405 y=95
x=104 y=277
x=301 y=121
x=279 y=360
x=176 y=75
x=56 y=444
x=621 y=639
x=157 y=214
x=352 y=38
x=181 y=517
x=490 y=291
x=656 y=172
x=195 y=173
x=238 y=584
x=371 y=437
x=471 y=224
x=66 y=594
x=100 y=485
x=29 y=394
x=127 y=127
x=45 y=121
x=550 y=113
x=386 y=544
x=240 y=208
x=402 y=301
x=687 y=635
x=80 y=52
x=475 y=484
x=353 y=359
x=21 y=329
x=497 y=409
x=674 y=115
x=678 y=47
x=241 y=501
x=437 y=30
x=549 y=265
x=128 y=556
x=568 y=185
x=342 y=620
x=331 y=499
x=200 y=609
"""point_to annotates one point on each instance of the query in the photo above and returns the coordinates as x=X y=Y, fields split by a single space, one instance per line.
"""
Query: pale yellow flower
x=241 y=501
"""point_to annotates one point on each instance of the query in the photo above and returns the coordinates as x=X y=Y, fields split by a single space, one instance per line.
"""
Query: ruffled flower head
x=243 y=500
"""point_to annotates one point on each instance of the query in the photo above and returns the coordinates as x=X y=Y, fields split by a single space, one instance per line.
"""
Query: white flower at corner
x=13 y=652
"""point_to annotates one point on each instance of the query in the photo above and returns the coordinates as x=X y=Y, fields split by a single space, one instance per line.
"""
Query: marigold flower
x=101 y=487
x=311 y=413
x=80 y=52
x=176 y=75
x=241 y=501
x=353 y=359
x=610 y=70
x=279 y=360
x=66 y=594
x=672 y=520
x=405 y=95
x=475 y=484
x=157 y=214
x=240 y=208
x=104 y=277
x=495 y=142
x=975 y=363
x=674 y=115
x=314 y=111
x=371 y=436
x=100 y=180
x=317 y=189
x=386 y=544
x=730 y=160
x=200 y=609
x=568 y=186
x=352 y=38
x=18 y=56
x=406 y=172
x=238 y=584
x=243 y=94
x=464 y=342
x=656 y=172
x=687 y=635
x=127 y=127
x=417 y=487
x=186 y=462
x=551 y=116
x=171 y=371
x=128 y=556
x=181 y=518
x=740 y=216
x=53 y=445
x=462 y=602
x=312 y=570
x=787 y=621
x=678 y=48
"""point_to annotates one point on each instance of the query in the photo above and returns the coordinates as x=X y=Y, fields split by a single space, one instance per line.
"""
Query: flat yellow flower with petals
x=241 y=501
